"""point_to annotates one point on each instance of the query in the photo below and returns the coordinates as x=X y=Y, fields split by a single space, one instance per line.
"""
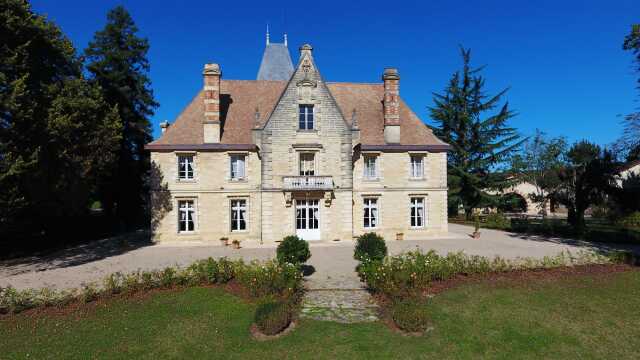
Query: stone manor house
x=289 y=153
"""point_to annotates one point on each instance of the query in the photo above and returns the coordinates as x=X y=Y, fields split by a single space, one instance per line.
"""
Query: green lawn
x=581 y=317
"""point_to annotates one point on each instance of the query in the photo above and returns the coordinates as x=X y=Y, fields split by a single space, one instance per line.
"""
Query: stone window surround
x=194 y=154
x=425 y=204
x=378 y=198
x=196 y=214
x=424 y=155
x=317 y=114
x=247 y=219
x=378 y=155
x=316 y=158
x=230 y=156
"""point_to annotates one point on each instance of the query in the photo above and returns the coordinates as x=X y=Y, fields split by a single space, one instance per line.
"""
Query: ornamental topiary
x=272 y=317
x=370 y=246
x=410 y=315
x=293 y=250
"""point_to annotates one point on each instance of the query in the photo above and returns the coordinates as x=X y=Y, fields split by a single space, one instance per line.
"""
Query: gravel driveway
x=333 y=261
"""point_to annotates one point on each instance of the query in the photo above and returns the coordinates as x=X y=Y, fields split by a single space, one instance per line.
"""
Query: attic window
x=306 y=117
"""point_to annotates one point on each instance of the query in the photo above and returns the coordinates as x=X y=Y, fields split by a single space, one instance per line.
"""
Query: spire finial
x=267 y=34
x=285 y=39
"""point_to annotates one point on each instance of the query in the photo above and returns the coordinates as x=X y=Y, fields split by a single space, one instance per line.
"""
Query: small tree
x=370 y=246
x=630 y=141
x=480 y=143
x=585 y=180
x=538 y=164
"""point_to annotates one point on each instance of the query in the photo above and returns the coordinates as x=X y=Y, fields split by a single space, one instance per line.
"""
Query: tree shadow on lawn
x=77 y=255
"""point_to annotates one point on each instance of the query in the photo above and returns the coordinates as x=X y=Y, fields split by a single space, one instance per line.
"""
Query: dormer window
x=306 y=117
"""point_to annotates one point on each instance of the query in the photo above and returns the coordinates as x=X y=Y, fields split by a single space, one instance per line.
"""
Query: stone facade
x=276 y=188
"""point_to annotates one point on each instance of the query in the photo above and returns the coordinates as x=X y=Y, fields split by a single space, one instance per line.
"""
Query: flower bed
x=258 y=279
x=411 y=273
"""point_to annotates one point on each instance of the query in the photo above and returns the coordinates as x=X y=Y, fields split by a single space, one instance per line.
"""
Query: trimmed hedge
x=259 y=278
x=273 y=317
x=370 y=247
x=410 y=315
x=293 y=250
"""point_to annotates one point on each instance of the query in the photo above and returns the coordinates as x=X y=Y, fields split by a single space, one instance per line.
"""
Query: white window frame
x=416 y=169
x=233 y=176
x=183 y=207
x=242 y=206
x=186 y=159
x=417 y=203
x=301 y=155
x=367 y=174
x=309 y=117
x=370 y=203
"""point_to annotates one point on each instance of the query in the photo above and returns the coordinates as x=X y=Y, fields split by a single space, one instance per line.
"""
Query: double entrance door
x=308 y=219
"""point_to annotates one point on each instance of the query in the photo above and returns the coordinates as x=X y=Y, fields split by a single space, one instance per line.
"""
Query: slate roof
x=241 y=98
x=276 y=63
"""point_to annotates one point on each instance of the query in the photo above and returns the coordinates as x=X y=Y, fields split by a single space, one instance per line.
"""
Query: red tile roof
x=241 y=98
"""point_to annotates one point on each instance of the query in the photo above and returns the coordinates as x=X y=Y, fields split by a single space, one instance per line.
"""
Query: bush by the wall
x=410 y=315
x=293 y=250
x=370 y=247
x=497 y=221
x=273 y=317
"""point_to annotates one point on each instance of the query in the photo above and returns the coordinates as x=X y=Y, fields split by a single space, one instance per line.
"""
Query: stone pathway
x=334 y=291
x=340 y=305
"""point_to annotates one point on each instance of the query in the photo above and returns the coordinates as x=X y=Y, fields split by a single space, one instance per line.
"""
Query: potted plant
x=476 y=225
x=224 y=241
x=236 y=243
x=399 y=236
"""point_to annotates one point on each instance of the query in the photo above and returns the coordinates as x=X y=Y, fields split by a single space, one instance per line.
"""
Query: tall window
x=238 y=215
x=417 y=166
x=307 y=164
x=185 y=167
x=417 y=212
x=306 y=117
x=186 y=216
x=370 y=213
x=370 y=167
x=238 y=167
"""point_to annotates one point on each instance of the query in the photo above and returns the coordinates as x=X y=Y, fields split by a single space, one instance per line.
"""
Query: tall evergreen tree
x=56 y=131
x=480 y=143
x=117 y=61
x=631 y=138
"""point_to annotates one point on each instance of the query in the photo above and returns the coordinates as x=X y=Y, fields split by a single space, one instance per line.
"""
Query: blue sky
x=563 y=60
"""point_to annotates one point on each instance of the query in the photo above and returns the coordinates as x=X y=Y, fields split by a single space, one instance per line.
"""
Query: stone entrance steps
x=340 y=305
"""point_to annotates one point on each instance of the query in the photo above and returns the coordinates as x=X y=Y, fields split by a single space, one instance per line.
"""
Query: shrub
x=370 y=246
x=293 y=250
x=497 y=221
x=631 y=221
x=88 y=292
x=410 y=315
x=226 y=271
x=269 y=278
x=273 y=317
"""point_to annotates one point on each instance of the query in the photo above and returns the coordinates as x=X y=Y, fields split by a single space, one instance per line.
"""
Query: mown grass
x=579 y=317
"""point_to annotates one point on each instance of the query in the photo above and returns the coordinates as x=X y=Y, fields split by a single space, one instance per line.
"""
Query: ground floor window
x=417 y=212
x=370 y=213
x=186 y=216
x=238 y=215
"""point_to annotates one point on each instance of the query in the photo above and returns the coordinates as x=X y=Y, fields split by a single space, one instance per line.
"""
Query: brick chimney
x=211 y=123
x=391 y=105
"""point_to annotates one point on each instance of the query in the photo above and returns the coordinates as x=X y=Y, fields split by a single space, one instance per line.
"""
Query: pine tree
x=480 y=144
x=56 y=131
x=630 y=141
x=117 y=61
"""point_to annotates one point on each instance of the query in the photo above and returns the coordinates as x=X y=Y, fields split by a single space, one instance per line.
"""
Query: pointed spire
x=285 y=39
x=267 y=34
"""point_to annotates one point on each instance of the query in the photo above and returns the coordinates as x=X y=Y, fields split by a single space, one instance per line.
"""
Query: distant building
x=288 y=153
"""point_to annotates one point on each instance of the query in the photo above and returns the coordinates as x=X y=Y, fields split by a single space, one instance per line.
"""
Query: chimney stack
x=164 y=126
x=211 y=122
x=391 y=105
